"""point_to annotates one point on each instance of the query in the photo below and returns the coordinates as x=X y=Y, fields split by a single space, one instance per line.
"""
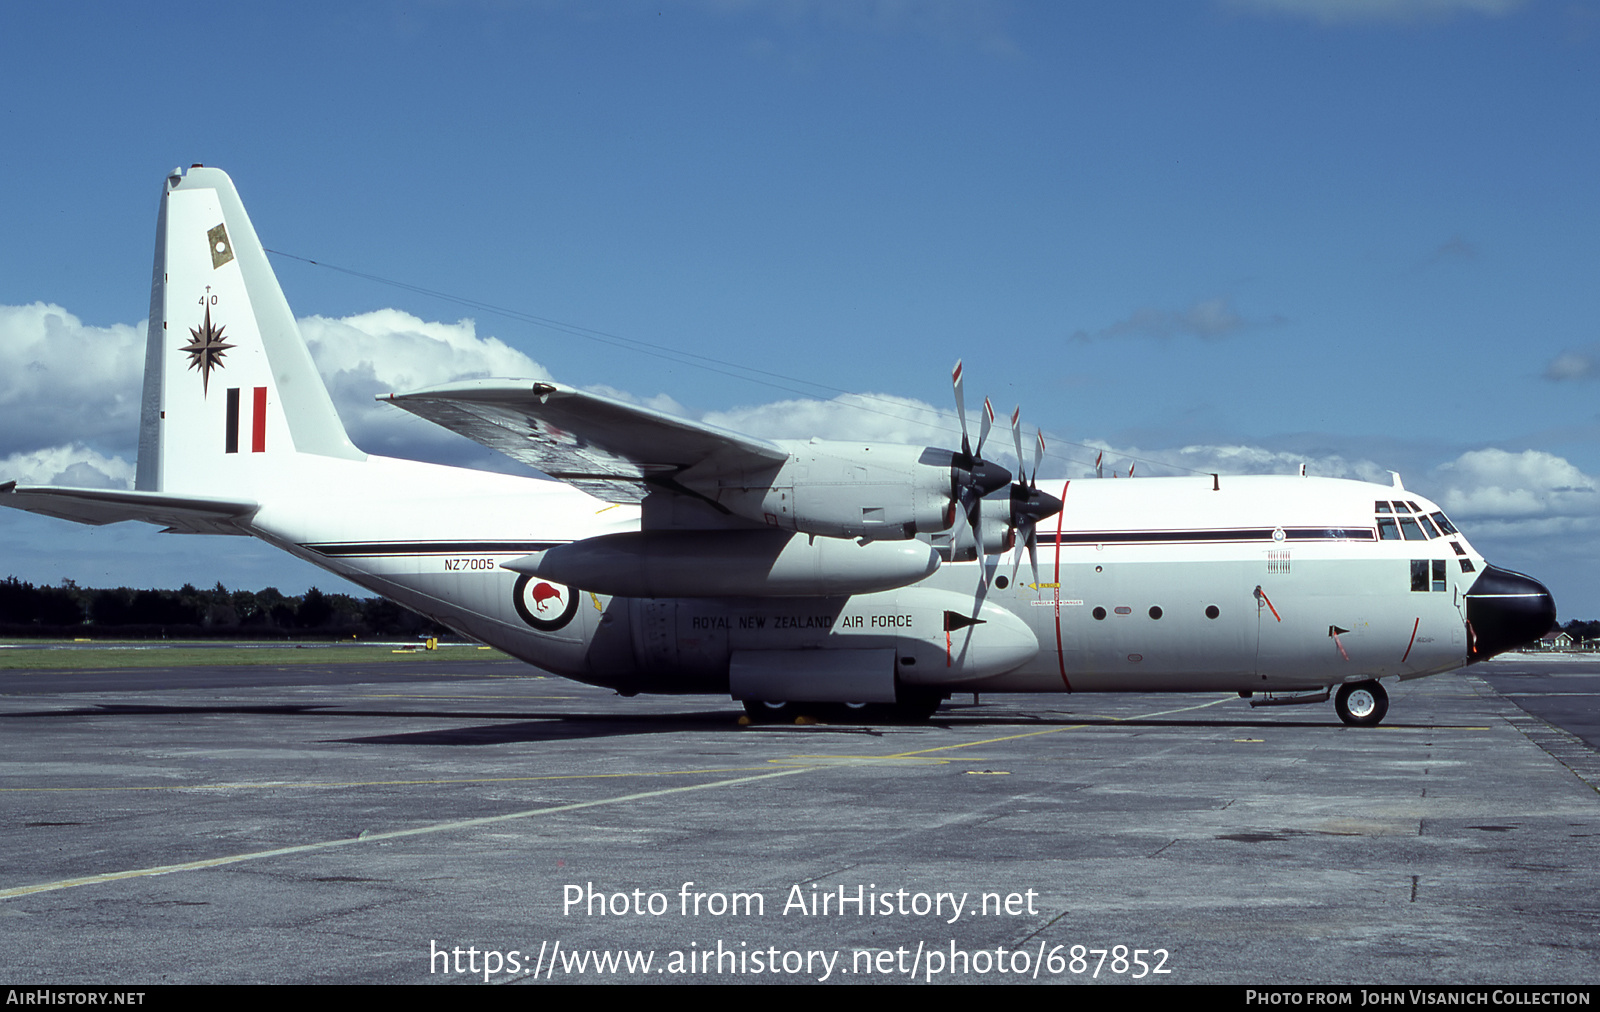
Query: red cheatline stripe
x=1061 y=659
x=1414 y=626
x=258 y=433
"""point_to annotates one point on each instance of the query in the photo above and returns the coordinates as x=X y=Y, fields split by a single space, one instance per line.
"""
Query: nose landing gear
x=1361 y=704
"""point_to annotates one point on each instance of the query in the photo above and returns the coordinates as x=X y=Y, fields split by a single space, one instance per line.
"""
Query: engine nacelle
x=730 y=563
x=881 y=491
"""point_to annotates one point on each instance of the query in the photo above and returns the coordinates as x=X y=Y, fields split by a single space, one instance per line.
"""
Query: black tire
x=1361 y=704
x=761 y=711
x=915 y=707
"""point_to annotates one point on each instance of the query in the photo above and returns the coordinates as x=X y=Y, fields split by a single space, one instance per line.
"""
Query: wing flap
x=607 y=447
x=178 y=514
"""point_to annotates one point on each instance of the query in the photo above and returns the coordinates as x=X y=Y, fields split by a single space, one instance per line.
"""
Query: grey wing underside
x=611 y=449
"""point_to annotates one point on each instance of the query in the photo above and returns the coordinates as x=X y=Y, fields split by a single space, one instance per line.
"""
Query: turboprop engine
x=730 y=563
x=886 y=491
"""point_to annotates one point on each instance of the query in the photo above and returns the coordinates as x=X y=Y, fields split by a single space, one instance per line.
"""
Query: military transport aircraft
x=670 y=556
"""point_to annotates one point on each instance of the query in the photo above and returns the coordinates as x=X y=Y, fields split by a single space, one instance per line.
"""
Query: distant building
x=1556 y=640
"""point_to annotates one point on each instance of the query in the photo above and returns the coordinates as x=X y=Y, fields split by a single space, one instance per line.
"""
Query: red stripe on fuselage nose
x=1061 y=660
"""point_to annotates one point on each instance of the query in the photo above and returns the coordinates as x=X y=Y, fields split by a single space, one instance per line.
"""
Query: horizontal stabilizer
x=609 y=448
x=179 y=514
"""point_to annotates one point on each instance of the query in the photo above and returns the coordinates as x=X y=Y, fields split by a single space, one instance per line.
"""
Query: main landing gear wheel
x=915 y=707
x=761 y=711
x=1361 y=704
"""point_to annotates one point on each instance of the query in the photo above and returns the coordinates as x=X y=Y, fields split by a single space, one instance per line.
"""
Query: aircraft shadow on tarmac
x=524 y=726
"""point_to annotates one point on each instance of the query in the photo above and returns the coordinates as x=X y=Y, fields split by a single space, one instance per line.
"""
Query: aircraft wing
x=178 y=514
x=611 y=449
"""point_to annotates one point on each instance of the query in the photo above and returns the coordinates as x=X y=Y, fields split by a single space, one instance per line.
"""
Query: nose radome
x=1507 y=610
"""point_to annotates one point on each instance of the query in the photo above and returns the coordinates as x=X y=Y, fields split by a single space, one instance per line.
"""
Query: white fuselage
x=1153 y=584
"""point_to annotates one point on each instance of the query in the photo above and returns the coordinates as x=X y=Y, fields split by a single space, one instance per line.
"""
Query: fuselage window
x=1155 y=611
x=1099 y=614
x=1211 y=611
x=1388 y=530
x=1419 y=574
x=1467 y=566
x=1438 y=574
x=1410 y=529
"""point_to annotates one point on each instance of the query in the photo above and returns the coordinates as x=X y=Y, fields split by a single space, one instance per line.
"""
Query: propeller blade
x=961 y=408
x=1033 y=553
x=1016 y=438
x=1016 y=563
x=988 y=422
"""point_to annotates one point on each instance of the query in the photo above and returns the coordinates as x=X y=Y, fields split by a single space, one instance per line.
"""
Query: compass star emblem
x=206 y=350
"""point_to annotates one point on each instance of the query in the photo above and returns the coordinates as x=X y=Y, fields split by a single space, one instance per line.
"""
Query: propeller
x=1028 y=504
x=972 y=477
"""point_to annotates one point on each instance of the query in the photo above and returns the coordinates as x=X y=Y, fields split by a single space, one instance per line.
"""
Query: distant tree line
x=70 y=610
x=1580 y=630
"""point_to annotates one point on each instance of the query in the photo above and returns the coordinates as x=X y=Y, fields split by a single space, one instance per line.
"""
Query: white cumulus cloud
x=70 y=464
x=390 y=351
x=1204 y=458
x=66 y=385
x=867 y=417
x=62 y=379
x=1532 y=484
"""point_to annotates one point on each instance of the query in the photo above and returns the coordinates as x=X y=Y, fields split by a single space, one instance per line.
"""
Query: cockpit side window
x=1412 y=532
x=1444 y=523
x=1427 y=525
x=1388 y=530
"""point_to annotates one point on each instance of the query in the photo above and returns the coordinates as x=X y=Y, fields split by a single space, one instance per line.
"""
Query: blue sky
x=1214 y=234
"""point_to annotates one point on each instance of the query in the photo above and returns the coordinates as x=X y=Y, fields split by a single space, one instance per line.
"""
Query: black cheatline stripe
x=1206 y=537
x=349 y=548
x=1329 y=534
x=230 y=439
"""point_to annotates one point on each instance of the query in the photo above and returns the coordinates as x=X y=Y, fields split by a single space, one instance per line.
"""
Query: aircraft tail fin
x=231 y=395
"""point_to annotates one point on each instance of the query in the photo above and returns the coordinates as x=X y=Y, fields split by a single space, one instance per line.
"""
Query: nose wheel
x=1361 y=704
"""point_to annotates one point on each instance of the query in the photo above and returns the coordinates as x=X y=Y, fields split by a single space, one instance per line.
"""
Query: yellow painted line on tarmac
x=1058 y=730
x=396 y=834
